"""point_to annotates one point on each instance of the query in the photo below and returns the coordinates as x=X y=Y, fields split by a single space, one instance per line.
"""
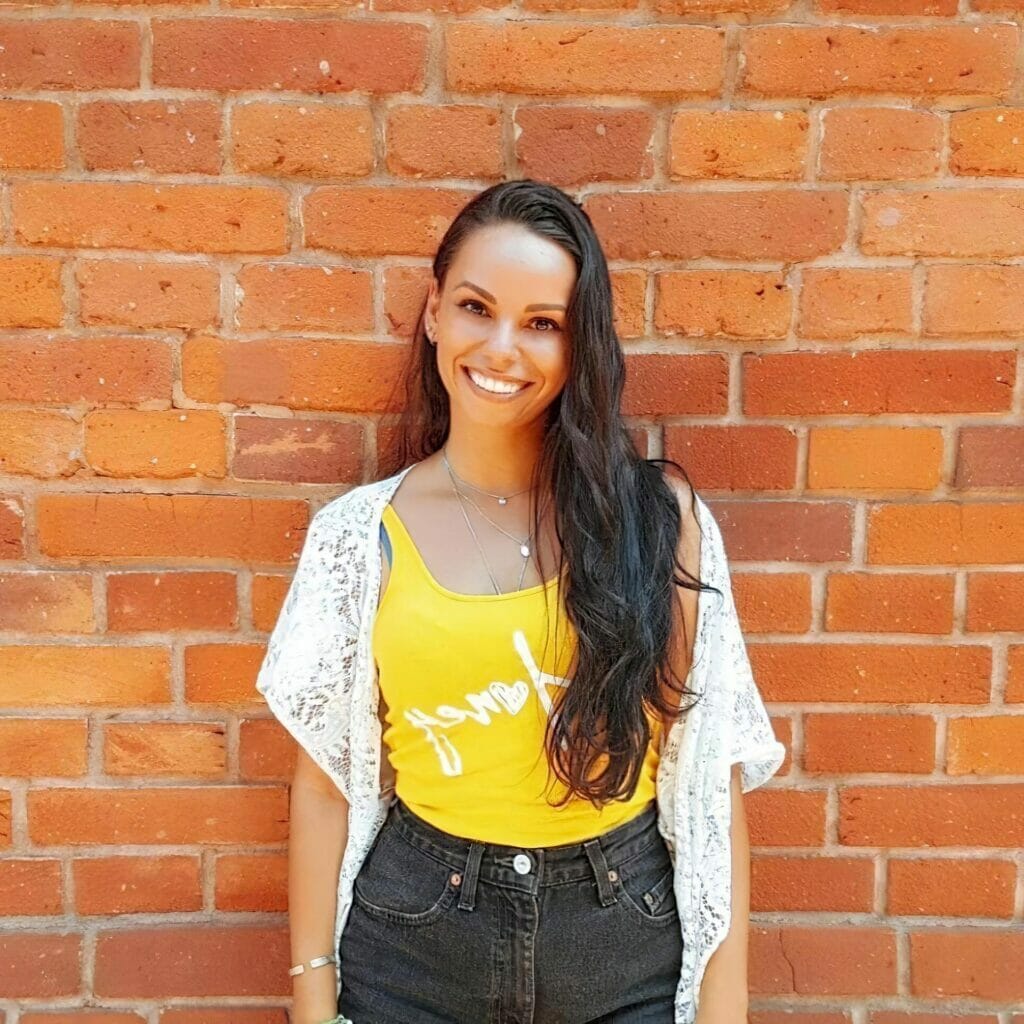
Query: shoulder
x=689 y=513
x=355 y=507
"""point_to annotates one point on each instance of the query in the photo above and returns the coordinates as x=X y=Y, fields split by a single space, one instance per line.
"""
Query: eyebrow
x=490 y=298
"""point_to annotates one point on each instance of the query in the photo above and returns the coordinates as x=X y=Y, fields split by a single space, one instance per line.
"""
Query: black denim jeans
x=443 y=930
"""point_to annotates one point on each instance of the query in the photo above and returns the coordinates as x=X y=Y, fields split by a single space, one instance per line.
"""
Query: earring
x=429 y=337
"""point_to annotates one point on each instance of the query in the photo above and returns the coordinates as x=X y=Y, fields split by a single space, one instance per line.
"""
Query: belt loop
x=602 y=875
x=467 y=895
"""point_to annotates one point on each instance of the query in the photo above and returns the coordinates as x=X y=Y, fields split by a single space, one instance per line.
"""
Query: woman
x=526 y=639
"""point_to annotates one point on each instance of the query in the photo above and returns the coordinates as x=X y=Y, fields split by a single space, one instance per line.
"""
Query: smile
x=495 y=387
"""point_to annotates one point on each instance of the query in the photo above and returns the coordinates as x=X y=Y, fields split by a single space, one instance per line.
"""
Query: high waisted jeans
x=443 y=930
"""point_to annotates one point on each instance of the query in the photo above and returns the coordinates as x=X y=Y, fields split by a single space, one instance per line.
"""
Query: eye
x=546 y=320
x=466 y=303
x=554 y=325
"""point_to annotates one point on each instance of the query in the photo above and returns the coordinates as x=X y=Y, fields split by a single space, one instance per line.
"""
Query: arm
x=318 y=833
x=723 y=991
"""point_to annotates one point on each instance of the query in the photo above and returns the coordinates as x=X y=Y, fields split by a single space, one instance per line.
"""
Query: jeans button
x=521 y=863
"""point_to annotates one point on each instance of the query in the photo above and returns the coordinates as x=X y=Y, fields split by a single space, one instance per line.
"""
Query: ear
x=433 y=302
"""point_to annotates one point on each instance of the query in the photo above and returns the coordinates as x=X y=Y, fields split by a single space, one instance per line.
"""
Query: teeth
x=500 y=386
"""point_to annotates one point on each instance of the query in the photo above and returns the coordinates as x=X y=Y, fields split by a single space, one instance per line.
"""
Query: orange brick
x=164 y=601
x=112 y=526
x=444 y=141
x=995 y=601
x=536 y=58
x=310 y=140
x=43 y=748
x=993 y=745
x=762 y=144
x=196 y=815
x=266 y=751
x=30 y=289
x=773 y=602
x=974 y=301
x=939 y=887
x=722 y=303
x=162 y=445
x=843 y=303
x=819 y=62
x=873 y=673
x=708 y=7
x=889 y=8
x=222 y=673
x=983 y=222
x=30 y=886
x=12 y=519
x=295 y=373
x=40 y=444
x=46 y=602
x=628 y=290
x=133 y=215
x=784 y=817
x=878 y=143
x=873 y=602
x=163 y=136
x=955 y=815
x=175 y=749
x=40 y=966
x=321 y=55
x=233 y=1015
x=574 y=145
x=982 y=958
x=71 y=53
x=252 y=882
x=874 y=458
x=988 y=141
x=51 y=676
x=33 y=132
x=838 y=884
x=946 y=533
x=147 y=295
x=1015 y=674
x=666 y=385
x=845 y=744
x=137 y=885
x=94 y=370
x=776 y=224
x=734 y=458
x=5 y=818
x=990 y=457
x=297 y=450
x=846 y=383
x=268 y=594
x=394 y=220
x=300 y=297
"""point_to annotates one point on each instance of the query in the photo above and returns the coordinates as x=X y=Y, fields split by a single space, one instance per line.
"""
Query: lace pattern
x=318 y=678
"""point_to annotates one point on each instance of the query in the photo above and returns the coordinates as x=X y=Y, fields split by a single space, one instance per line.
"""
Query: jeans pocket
x=400 y=883
x=645 y=885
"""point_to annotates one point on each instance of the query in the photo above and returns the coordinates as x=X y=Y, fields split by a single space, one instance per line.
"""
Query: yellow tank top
x=469 y=685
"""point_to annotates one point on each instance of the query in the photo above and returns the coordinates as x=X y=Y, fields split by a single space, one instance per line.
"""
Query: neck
x=499 y=461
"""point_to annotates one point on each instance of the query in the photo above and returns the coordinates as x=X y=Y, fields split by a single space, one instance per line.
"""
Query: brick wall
x=215 y=227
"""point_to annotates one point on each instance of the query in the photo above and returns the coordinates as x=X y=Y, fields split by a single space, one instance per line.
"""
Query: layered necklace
x=524 y=545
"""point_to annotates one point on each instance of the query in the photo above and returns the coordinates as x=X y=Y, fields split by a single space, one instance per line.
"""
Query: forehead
x=512 y=262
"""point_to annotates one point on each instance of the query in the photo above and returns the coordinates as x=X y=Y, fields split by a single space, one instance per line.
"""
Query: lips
x=524 y=385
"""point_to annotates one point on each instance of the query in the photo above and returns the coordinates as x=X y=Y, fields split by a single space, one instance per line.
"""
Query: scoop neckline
x=454 y=594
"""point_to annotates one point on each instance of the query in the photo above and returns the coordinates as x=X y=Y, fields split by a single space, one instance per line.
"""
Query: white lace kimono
x=319 y=679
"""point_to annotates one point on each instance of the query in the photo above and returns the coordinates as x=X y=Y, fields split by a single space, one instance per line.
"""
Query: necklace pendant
x=524 y=550
x=503 y=501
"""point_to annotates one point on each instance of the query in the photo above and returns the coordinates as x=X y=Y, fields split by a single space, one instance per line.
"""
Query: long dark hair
x=616 y=518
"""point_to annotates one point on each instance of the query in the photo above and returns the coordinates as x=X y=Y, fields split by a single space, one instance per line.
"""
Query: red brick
x=722 y=303
x=32 y=130
x=301 y=297
x=30 y=886
x=295 y=373
x=761 y=144
x=781 y=817
x=167 y=601
x=222 y=673
x=137 y=885
x=113 y=526
x=874 y=458
x=552 y=58
x=955 y=815
x=40 y=966
x=940 y=887
x=840 y=743
x=785 y=530
x=984 y=222
x=147 y=294
x=874 y=602
x=30 y=288
x=288 y=140
x=785 y=883
x=982 y=959
x=444 y=141
x=816 y=62
x=946 y=533
x=889 y=8
x=879 y=143
x=995 y=601
x=163 y=136
x=773 y=602
x=70 y=53
x=883 y=381
x=844 y=303
x=775 y=224
x=575 y=145
x=297 y=450
x=322 y=55
x=245 y=882
x=173 y=749
x=268 y=594
x=45 y=445
x=990 y=457
x=735 y=458
x=666 y=385
x=987 y=142
x=266 y=751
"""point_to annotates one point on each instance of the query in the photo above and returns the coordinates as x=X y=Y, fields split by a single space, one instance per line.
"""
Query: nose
x=501 y=339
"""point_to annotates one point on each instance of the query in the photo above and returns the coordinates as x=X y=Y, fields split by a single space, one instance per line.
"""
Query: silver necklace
x=524 y=546
x=502 y=499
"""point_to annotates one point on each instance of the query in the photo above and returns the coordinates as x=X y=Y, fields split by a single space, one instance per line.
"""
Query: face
x=500 y=323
